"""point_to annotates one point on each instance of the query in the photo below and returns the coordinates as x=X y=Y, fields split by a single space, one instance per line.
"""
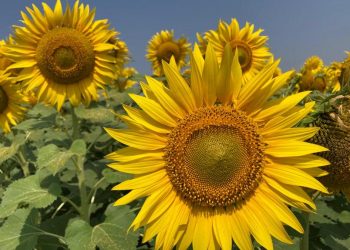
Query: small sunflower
x=63 y=55
x=313 y=63
x=217 y=161
x=251 y=46
x=163 y=46
x=11 y=103
x=120 y=53
x=124 y=82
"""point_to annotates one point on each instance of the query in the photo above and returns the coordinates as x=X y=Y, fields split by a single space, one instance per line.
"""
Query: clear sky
x=297 y=28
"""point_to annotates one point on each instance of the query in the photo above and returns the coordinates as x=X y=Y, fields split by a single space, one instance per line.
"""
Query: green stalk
x=84 y=202
x=304 y=243
x=79 y=163
x=75 y=124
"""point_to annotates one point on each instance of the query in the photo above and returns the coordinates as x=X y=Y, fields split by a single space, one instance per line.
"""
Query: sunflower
x=216 y=160
x=4 y=61
x=124 y=82
x=334 y=134
x=251 y=46
x=11 y=103
x=163 y=46
x=120 y=53
x=63 y=55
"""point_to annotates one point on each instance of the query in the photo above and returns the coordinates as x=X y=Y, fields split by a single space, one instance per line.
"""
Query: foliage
x=55 y=186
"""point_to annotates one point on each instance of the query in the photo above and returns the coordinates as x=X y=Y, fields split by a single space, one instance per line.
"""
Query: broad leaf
x=19 y=230
x=32 y=190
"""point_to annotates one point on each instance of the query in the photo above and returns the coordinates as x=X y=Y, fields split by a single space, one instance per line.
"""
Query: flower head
x=217 y=160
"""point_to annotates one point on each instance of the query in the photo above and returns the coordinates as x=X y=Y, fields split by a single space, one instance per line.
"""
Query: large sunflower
x=11 y=103
x=251 y=46
x=217 y=161
x=163 y=46
x=64 y=55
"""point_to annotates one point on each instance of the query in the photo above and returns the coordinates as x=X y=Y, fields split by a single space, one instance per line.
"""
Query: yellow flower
x=217 y=161
x=120 y=53
x=4 y=61
x=11 y=103
x=313 y=63
x=63 y=55
x=251 y=46
x=124 y=82
x=163 y=46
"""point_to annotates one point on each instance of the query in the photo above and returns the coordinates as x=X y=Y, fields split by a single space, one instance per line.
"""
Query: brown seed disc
x=215 y=157
x=245 y=55
x=168 y=49
x=65 y=55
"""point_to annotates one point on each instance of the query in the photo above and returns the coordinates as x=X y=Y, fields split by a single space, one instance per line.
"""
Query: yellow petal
x=284 y=105
x=132 y=154
x=196 y=81
x=138 y=167
x=141 y=117
x=142 y=182
x=224 y=87
x=293 y=192
x=138 y=139
x=288 y=121
x=210 y=73
x=298 y=134
x=154 y=110
x=164 y=97
x=293 y=176
x=179 y=88
x=288 y=148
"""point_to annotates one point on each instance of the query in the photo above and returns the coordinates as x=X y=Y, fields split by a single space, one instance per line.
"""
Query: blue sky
x=297 y=29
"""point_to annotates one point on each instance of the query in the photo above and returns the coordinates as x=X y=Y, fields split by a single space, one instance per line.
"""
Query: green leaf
x=113 y=232
x=331 y=223
x=7 y=152
x=108 y=236
x=56 y=225
x=95 y=115
x=41 y=110
x=33 y=124
x=35 y=190
x=19 y=230
x=78 y=235
x=52 y=158
x=78 y=147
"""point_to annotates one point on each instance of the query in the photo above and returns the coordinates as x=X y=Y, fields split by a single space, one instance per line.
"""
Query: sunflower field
x=217 y=149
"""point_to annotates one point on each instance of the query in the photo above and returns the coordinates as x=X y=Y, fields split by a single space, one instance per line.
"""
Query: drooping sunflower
x=12 y=103
x=217 y=161
x=163 y=46
x=252 y=51
x=334 y=134
x=63 y=55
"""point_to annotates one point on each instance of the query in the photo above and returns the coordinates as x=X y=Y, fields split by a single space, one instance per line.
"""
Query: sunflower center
x=215 y=157
x=245 y=56
x=65 y=55
x=213 y=154
x=3 y=100
x=168 y=49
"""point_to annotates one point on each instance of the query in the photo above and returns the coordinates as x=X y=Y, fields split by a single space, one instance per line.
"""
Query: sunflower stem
x=304 y=243
x=75 y=124
x=84 y=203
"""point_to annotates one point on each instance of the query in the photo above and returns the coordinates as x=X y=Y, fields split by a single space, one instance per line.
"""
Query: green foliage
x=55 y=186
